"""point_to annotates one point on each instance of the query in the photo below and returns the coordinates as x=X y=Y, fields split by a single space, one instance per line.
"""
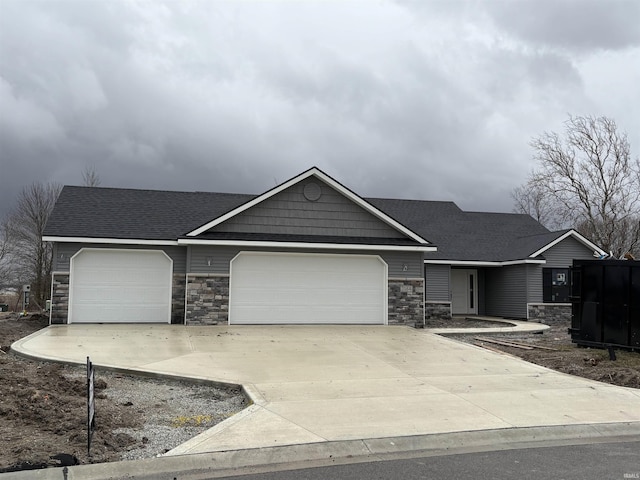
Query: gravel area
x=43 y=409
x=171 y=411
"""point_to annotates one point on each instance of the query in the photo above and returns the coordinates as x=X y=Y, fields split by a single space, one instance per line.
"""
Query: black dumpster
x=605 y=303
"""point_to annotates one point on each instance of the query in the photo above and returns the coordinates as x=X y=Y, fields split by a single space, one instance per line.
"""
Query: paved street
x=608 y=461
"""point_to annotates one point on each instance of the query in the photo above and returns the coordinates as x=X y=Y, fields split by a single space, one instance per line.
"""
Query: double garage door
x=134 y=286
x=287 y=288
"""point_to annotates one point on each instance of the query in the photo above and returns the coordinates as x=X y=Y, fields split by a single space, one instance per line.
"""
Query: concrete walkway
x=509 y=326
x=315 y=384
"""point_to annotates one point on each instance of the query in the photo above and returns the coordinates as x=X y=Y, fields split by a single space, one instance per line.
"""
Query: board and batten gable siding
x=505 y=292
x=562 y=254
x=216 y=259
x=64 y=251
x=291 y=213
x=437 y=285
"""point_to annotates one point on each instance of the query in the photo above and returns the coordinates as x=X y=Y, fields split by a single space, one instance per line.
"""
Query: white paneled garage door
x=285 y=288
x=120 y=286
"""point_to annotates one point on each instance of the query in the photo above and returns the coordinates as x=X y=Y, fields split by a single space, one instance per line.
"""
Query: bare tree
x=7 y=278
x=31 y=258
x=531 y=200
x=589 y=181
x=90 y=177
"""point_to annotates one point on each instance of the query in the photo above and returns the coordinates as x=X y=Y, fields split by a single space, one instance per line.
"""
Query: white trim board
x=474 y=263
x=332 y=246
x=315 y=172
x=118 y=241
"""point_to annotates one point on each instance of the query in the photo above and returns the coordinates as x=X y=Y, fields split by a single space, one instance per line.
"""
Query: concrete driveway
x=338 y=383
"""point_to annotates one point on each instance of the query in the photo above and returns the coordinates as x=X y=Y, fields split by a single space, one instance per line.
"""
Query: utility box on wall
x=605 y=299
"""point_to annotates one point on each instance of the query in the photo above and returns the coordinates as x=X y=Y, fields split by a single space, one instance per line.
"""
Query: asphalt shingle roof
x=467 y=236
x=135 y=214
x=169 y=215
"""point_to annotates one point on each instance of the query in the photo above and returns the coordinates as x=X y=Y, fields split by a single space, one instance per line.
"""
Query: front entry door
x=464 y=291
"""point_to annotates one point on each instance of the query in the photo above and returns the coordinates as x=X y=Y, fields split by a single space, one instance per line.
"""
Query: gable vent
x=312 y=191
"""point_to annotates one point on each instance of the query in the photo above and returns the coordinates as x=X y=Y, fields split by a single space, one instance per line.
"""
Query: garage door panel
x=268 y=288
x=118 y=286
x=123 y=313
x=292 y=314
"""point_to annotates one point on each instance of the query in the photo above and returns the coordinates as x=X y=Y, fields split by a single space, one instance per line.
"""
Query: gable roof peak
x=328 y=180
x=560 y=235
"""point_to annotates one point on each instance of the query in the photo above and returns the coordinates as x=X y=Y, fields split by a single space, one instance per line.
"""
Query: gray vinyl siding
x=505 y=292
x=437 y=283
x=290 y=213
x=215 y=259
x=534 y=283
x=64 y=252
x=562 y=254
x=481 y=292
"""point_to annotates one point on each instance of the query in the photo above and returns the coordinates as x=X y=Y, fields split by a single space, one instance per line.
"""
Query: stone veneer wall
x=406 y=302
x=60 y=299
x=549 y=312
x=178 y=298
x=207 y=299
x=437 y=311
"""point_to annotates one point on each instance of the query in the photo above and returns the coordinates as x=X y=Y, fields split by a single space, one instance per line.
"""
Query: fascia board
x=331 y=246
x=119 y=241
x=478 y=263
x=570 y=233
x=329 y=181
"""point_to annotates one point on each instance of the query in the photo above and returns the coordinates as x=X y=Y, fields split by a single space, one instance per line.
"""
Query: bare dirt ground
x=43 y=409
x=562 y=355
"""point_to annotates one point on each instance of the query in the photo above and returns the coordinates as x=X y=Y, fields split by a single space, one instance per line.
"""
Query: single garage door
x=284 y=288
x=120 y=286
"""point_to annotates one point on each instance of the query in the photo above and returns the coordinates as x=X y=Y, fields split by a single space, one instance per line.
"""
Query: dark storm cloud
x=571 y=24
x=434 y=100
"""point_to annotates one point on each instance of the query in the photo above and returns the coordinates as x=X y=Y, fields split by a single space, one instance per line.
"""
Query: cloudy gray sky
x=426 y=99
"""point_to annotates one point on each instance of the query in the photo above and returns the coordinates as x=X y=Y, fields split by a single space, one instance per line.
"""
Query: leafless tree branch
x=30 y=257
x=588 y=180
x=90 y=177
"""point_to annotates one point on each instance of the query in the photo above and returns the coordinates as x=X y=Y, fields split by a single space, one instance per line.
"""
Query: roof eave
x=111 y=240
x=487 y=263
x=318 y=245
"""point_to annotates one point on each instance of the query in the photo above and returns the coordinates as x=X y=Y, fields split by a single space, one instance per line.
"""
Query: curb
x=238 y=462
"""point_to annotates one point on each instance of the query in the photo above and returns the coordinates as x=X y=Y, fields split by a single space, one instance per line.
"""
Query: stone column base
x=437 y=310
x=549 y=312
x=59 y=313
x=207 y=299
x=406 y=302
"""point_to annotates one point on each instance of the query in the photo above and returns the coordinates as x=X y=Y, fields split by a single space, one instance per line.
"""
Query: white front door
x=464 y=291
